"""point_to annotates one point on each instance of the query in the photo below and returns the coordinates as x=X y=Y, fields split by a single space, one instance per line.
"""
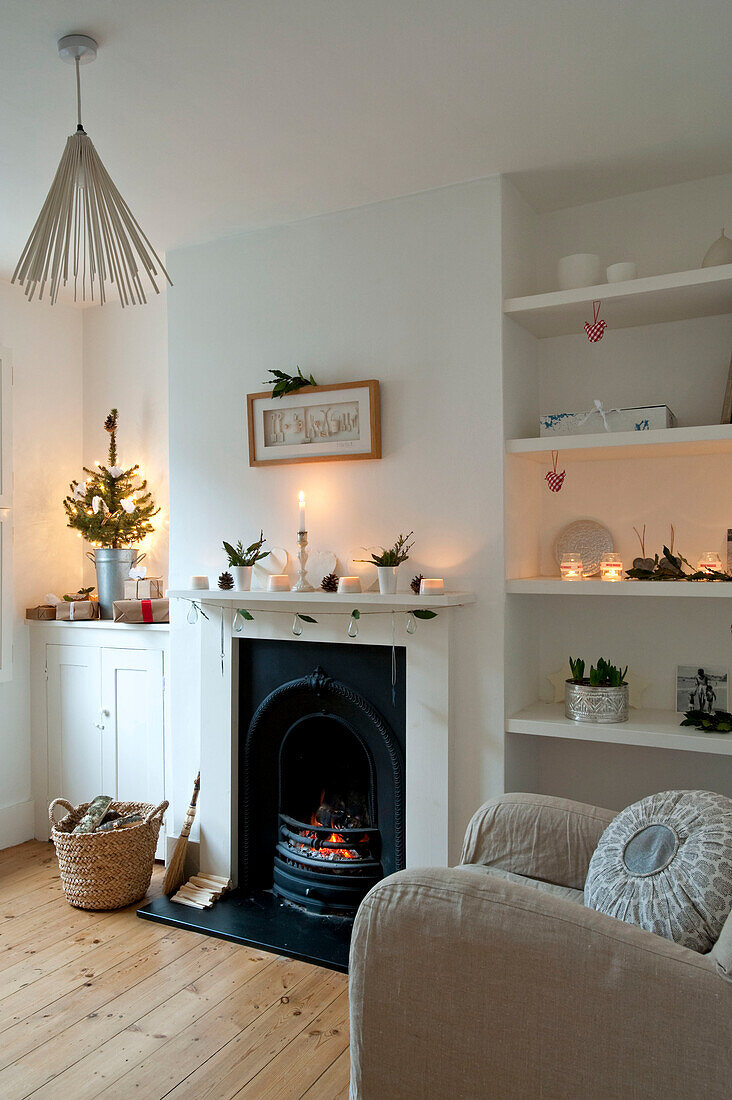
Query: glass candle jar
x=710 y=562
x=571 y=567
x=611 y=567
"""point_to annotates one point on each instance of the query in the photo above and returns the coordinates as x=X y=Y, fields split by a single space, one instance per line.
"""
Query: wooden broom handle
x=191 y=811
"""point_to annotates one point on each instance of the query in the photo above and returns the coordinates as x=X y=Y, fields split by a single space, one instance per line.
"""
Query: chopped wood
x=197 y=895
x=95 y=812
x=179 y=900
x=202 y=884
x=225 y=882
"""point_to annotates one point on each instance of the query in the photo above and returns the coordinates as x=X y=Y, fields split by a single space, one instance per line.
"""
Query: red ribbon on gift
x=147 y=614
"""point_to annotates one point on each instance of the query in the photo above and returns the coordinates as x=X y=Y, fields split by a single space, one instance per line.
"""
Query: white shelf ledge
x=707 y=439
x=553 y=586
x=96 y=624
x=658 y=729
x=323 y=602
x=676 y=297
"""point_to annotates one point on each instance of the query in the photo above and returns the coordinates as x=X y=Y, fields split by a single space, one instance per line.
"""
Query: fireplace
x=321 y=775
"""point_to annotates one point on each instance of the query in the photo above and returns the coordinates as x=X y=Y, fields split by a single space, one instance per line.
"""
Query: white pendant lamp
x=86 y=232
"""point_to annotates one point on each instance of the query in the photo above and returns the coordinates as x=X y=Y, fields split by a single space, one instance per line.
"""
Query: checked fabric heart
x=596 y=330
x=552 y=478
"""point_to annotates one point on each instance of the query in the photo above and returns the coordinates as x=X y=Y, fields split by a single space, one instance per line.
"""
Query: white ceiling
x=216 y=116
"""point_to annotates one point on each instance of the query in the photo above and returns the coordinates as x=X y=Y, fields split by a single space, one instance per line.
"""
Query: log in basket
x=106 y=870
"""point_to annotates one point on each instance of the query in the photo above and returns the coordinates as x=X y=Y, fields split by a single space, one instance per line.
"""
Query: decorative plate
x=589 y=539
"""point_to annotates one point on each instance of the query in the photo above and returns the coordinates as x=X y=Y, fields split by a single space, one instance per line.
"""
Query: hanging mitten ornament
x=596 y=330
x=553 y=479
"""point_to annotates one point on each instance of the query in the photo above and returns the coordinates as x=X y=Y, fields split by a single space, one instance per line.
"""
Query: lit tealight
x=611 y=568
x=278 y=582
x=431 y=586
x=571 y=567
x=349 y=584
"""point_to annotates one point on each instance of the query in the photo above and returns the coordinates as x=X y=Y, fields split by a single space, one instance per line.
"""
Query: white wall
x=126 y=366
x=46 y=346
x=407 y=292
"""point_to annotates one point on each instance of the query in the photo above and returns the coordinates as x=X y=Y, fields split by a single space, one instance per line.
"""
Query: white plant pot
x=387 y=579
x=620 y=273
x=242 y=575
x=581 y=269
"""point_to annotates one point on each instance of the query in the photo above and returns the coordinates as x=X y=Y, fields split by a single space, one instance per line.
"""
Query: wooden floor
x=104 y=1004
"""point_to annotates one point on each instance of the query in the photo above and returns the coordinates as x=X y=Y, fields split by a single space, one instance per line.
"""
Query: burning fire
x=314 y=850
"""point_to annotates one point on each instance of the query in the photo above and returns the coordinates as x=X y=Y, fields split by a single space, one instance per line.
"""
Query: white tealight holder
x=431 y=586
x=278 y=582
x=349 y=584
x=200 y=583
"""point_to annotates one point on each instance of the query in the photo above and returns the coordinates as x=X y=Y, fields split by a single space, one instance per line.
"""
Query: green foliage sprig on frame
x=602 y=675
x=112 y=508
x=242 y=556
x=718 y=722
x=392 y=557
x=283 y=383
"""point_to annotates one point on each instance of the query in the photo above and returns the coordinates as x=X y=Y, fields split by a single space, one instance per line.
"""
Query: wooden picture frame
x=336 y=423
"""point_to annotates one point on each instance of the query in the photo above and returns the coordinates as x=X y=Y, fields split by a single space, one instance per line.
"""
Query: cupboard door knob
x=102 y=715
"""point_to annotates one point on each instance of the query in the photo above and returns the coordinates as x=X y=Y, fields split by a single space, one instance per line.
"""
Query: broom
x=175 y=871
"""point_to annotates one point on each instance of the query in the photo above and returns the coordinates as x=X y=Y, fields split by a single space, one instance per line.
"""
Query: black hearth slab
x=260 y=920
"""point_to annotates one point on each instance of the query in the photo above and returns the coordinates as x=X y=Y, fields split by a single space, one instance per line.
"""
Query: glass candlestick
x=611 y=568
x=571 y=567
x=710 y=562
x=302 y=556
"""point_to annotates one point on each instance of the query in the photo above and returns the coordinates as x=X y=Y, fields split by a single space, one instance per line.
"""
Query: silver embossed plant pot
x=585 y=703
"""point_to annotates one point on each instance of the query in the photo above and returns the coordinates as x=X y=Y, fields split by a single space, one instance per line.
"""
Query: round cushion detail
x=665 y=864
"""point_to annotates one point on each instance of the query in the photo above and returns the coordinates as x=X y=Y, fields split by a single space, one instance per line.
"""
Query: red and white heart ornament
x=553 y=479
x=596 y=330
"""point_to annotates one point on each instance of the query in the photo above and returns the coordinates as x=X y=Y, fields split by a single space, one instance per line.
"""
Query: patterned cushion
x=665 y=863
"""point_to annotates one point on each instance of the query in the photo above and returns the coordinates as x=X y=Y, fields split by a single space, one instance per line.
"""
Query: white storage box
x=599 y=419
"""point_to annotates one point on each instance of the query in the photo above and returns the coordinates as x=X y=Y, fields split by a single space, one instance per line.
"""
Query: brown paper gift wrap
x=77 y=610
x=44 y=611
x=141 y=611
x=149 y=588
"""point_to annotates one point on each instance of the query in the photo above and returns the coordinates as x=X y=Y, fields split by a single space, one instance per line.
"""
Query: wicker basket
x=106 y=870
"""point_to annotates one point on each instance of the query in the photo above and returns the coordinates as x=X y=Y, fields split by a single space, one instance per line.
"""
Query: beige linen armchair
x=491 y=979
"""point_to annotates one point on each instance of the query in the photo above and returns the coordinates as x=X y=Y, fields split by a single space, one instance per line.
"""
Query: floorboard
x=105 y=1005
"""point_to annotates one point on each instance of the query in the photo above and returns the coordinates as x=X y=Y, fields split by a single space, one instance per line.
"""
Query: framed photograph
x=316 y=424
x=701 y=688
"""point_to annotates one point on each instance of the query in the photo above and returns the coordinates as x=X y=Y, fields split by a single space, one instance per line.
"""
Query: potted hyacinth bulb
x=388 y=561
x=243 y=559
x=601 y=697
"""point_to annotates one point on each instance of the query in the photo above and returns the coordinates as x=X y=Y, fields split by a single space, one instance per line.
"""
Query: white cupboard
x=100 y=724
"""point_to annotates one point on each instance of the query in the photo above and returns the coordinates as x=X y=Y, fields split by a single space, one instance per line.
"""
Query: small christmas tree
x=112 y=507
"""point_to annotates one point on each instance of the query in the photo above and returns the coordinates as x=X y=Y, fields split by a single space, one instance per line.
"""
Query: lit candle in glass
x=571 y=567
x=349 y=584
x=278 y=582
x=611 y=568
x=710 y=562
x=431 y=585
x=301 y=502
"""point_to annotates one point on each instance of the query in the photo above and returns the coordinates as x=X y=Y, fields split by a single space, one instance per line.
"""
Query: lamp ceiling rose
x=77 y=47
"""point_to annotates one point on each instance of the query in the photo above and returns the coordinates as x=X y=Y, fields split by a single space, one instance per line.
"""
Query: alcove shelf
x=679 y=296
x=554 y=586
x=657 y=443
x=650 y=728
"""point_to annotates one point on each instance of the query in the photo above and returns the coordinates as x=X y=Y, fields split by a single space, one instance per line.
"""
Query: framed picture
x=316 y=424
x=701 y=688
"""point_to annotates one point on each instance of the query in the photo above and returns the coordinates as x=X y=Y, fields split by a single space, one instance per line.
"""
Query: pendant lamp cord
x=79 y=128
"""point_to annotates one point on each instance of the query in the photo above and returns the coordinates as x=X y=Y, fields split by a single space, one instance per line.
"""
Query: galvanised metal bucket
x=113 y=568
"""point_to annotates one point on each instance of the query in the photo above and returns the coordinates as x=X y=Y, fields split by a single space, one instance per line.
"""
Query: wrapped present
x=44 y=611
x=143 y=588
x=141 y=611
x=598 y=419
x=77 y=610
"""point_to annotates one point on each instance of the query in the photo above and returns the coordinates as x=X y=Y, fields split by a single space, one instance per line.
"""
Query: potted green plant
x=600 y=697
x=242 y=559
x=112 y=510
x=388 y=561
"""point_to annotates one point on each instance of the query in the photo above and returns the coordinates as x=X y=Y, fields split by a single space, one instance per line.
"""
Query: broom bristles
x=175 y=874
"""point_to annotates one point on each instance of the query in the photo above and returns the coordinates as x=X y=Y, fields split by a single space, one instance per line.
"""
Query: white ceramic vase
x=242 y=575
x=387 y=579
x=620 y=273
x=581 y=269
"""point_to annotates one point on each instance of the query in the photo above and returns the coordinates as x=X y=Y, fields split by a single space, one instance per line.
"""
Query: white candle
x=278 y=582
x=431 y=585
x=200 y=583
x=301 y=501
x=349 y=584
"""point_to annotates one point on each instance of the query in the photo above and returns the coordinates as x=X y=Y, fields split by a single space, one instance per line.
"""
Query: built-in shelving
x=658 y=443
x=652 y=728
x=554 y=586
x=678 y=296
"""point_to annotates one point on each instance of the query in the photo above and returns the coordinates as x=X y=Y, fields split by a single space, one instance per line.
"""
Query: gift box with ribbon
x=44 y=611
x=141 y=611
x=143 y=588
x=598 y=419
x=77 y=610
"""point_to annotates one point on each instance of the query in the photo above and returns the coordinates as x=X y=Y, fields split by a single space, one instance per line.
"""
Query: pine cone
x=226 y=581
x=415 y=583
x=330 y=583
x=110 y=423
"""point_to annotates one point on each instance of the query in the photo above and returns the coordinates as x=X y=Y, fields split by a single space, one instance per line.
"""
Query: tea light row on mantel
x=571 y=568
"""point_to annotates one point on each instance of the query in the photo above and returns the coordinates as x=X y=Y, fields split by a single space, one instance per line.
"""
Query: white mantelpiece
x=428 y=701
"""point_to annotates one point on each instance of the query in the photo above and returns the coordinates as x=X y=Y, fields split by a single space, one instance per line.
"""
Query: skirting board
x=16 y=823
